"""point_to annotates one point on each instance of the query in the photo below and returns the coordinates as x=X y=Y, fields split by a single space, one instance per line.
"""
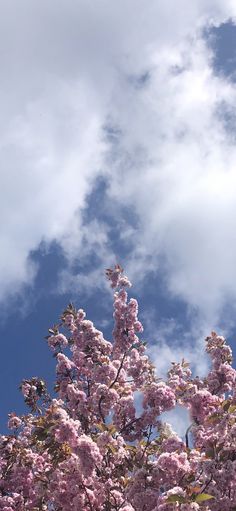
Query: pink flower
x=14 y=422
x=57 y=341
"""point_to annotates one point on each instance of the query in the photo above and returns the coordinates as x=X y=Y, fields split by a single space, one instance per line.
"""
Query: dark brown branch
x=88 y=497
x=186 y=434
x=206 y=485
x=100 y=408
x=129 y=424
x=118 y=372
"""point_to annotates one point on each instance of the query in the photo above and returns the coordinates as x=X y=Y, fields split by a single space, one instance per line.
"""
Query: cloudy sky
x=117 y=144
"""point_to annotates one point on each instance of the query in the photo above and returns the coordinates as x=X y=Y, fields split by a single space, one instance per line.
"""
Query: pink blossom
x=97 y=447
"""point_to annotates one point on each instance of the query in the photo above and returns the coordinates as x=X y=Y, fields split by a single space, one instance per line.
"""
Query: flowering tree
x=96 y=447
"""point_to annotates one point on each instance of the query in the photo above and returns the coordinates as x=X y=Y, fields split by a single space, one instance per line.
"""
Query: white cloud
x=169 y=342
x=70 y=68
x=179 y=420
x=183 y=183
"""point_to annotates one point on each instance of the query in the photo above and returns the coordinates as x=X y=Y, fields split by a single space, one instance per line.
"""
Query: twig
x=100 y=408
x=129 y=424
x=118 y=372
x=186 y=434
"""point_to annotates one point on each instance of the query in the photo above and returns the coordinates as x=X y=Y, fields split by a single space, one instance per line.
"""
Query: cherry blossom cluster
x=99 y=444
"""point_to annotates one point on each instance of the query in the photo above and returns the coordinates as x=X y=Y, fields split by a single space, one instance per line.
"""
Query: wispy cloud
x=170 y=341
x=179 y=420
x=128 y=91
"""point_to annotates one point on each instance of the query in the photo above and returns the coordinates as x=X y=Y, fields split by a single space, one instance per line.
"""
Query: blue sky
x=117 y=145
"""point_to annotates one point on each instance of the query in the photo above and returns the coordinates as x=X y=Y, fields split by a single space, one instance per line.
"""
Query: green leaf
x=112 y=429
x=176 y=498
x=101 y=426
x=130 y=447
x=112 y=448
x=226 y=405
x=213 y=418
x=210 y=453
x=201 y=497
